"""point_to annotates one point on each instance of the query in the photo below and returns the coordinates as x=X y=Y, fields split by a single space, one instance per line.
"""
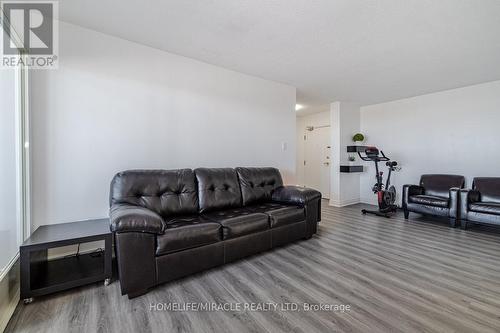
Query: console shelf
x=62 y=271
x=351 y=168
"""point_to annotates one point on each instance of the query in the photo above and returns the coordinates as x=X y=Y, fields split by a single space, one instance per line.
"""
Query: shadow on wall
x=289 y=177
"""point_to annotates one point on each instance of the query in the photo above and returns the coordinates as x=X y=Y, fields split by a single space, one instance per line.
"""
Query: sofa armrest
x=305 y=197
x=130 y=218
x=409 y=190
x=295 y=195
x=467 y=197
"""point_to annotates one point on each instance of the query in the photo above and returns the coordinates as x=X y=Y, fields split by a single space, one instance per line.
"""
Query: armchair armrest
x=454 y=202
x=409 y=190
x=130 y=218
x=295 y=195
x=474 y=196
x=467 y=197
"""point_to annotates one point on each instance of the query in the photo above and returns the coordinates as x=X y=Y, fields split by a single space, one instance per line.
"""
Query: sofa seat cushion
x=284 y=216
x=239 y=222
x=185 y=232
x=430 y=200
x=485 y=207
x=265 y=206
x=280 y=214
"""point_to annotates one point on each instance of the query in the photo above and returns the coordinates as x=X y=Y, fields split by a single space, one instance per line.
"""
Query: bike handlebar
x=375 y=158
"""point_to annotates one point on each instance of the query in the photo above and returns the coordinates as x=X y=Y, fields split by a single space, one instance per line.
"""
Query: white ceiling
x=364 y=51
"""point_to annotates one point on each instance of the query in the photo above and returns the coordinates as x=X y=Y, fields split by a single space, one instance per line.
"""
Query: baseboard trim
x=10 y=292
x=369 y=200
x=9 y=311
x=343 y=203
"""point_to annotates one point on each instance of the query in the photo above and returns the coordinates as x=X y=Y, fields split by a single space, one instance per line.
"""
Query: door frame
x=309 y=129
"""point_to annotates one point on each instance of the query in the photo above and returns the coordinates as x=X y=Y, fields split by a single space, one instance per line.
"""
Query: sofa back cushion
x=489 y=187
x=167 y=192
x=217 y=189
x=439 y=185
x=258 y=184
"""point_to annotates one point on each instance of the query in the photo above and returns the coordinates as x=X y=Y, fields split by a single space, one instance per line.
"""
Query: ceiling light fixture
x=298 y=107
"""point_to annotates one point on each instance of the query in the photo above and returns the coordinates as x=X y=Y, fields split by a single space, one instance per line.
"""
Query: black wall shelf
x=355 y=149
x=351 y=168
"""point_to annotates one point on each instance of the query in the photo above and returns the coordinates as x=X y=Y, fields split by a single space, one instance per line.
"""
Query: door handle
x=326 y=163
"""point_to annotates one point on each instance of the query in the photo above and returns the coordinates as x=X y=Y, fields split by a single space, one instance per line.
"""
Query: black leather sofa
x=436 y=195
x=171 y=223
x=482 y=203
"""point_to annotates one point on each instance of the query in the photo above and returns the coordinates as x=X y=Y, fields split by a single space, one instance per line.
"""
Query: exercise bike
x=386 y=193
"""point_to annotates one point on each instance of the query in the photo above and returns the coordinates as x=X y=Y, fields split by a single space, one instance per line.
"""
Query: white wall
x=315 y=119
x=114 y=105
x=454 y=132
x=345 y=122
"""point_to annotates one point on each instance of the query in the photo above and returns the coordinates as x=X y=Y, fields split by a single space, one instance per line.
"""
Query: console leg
x=407 y=214
x=28 y=300
x=463 y=225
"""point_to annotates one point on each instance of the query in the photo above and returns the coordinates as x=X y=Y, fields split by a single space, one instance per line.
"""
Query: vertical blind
x=10 y=167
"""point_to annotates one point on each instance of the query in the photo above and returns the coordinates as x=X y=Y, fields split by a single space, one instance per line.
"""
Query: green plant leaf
x=358 y=137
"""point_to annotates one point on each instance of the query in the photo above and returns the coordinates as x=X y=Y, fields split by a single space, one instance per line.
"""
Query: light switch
x=284 y=146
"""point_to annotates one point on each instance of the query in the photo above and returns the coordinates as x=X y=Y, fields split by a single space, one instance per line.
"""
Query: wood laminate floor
x=395 y=275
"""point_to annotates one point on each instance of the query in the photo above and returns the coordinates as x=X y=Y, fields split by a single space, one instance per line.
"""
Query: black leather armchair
x=436 y=195
x=482 y=203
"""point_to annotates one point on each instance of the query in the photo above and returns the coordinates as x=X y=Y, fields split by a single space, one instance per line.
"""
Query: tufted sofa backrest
x=218 y=188
x=167 y=192
x=184 y=191
x=258 y=184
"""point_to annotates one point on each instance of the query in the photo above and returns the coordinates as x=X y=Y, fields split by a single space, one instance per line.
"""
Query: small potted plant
x=358 y=138
x=351 y=159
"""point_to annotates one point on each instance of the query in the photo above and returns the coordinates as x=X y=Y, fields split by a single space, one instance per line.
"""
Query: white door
x=317 y=160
